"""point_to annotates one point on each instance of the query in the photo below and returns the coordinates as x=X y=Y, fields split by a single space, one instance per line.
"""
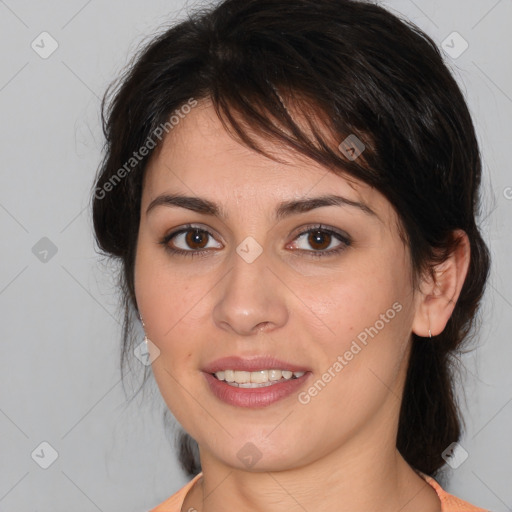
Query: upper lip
x=252 y=364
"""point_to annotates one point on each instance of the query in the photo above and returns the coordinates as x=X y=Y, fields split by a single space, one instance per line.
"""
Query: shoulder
x=450 y=503
x=175 y=502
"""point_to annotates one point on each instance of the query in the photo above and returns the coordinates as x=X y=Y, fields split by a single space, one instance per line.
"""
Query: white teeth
x=257 y=379
x=275 y=374
x=242 y=377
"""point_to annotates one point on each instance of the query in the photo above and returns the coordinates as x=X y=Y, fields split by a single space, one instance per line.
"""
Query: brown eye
x=319 y=239
x=190 y=240
x=196 y=239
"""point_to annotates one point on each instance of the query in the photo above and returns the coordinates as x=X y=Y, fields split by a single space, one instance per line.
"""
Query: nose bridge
x=250 y=297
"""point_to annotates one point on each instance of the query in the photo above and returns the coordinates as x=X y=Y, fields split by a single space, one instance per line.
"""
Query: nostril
x=261 y=326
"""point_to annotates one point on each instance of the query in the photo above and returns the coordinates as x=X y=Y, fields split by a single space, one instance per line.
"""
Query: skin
x=338 y=451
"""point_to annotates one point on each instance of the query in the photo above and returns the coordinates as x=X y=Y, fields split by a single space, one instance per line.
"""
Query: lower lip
x=254 y=397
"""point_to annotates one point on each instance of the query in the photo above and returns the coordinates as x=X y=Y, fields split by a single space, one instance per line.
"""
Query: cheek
x=165 y=295
x=362 y=365
x=356 y=300
x=365 y=318
x=170 y=303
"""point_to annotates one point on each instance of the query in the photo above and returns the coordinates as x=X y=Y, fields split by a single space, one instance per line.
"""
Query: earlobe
x=439 y=292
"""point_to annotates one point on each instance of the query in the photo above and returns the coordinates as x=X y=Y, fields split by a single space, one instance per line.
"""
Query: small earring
x=144 y=325
x=429 y=334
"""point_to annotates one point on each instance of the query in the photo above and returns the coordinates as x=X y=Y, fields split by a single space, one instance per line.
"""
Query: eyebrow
x=284 y=209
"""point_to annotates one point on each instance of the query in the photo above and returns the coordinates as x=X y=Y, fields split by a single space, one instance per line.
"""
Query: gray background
x=60 y=320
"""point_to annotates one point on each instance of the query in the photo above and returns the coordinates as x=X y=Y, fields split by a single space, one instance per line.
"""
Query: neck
x=355 y=478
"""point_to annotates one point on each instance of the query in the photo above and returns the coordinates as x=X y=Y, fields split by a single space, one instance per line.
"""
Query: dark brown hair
x=361 y=71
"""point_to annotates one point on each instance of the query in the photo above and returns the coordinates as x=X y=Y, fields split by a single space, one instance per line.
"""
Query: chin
x=258 y=453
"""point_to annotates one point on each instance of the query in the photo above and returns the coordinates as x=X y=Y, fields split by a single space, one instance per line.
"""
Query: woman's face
x=337 y=303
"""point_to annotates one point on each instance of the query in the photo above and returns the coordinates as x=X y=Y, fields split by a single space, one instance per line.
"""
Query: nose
x=251 y=298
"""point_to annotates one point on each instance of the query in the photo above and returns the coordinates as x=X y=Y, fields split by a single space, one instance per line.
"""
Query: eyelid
x=322 y=227
x=343 y=237
x=184 y=229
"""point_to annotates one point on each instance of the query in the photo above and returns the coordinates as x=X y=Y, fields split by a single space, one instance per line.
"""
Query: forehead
x=199 y=157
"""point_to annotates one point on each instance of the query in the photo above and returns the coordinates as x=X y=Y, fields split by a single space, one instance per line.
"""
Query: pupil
x=316 y=238
x=196 y=237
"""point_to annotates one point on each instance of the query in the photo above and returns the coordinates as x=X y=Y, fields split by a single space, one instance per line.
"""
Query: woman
x=291 y=188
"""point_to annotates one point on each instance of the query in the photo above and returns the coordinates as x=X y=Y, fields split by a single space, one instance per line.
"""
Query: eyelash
x=344 y=239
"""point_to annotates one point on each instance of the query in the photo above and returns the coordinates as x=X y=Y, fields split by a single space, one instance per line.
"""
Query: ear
x=438 y=295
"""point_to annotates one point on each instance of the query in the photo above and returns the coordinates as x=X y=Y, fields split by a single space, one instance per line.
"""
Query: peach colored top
x=449 y=503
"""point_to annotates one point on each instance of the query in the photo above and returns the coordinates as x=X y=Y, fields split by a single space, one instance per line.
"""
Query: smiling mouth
x=257 y=379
